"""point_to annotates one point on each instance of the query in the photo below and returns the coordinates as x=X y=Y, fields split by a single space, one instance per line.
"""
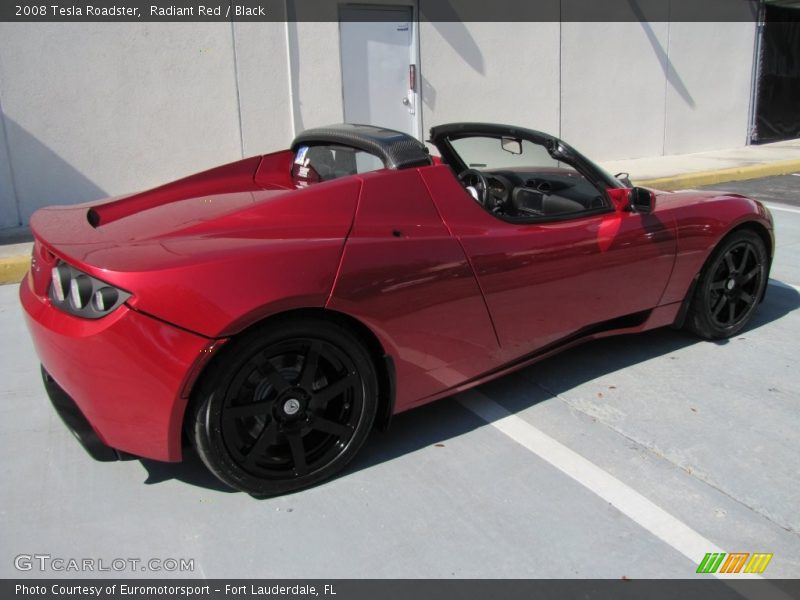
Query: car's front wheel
x=730 y=286
x=285 y=407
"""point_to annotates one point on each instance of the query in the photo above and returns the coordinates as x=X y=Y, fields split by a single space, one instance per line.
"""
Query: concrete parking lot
x=621 y=458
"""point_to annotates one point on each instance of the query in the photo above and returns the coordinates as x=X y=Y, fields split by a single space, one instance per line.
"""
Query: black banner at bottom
x=394 y=589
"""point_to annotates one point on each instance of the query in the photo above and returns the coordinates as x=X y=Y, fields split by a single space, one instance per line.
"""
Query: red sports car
x=272 y=311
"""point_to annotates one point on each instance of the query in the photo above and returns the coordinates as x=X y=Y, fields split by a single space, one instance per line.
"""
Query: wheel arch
x=756 y=227
x=759 y=229
x=384 y=364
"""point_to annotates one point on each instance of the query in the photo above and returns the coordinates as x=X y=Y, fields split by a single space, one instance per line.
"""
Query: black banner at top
x=429 y=10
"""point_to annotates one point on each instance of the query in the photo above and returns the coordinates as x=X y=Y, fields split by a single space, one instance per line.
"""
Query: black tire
x=284 y=407
x=730 y=287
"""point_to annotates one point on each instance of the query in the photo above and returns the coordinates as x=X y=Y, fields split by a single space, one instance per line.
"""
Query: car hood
x=690 y=197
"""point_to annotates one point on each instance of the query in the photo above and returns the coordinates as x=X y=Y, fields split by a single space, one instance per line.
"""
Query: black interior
x=574 y=188
x=519 y=194
x=325 y=163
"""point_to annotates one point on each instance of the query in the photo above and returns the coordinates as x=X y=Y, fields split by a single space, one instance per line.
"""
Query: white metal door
x=379 y=70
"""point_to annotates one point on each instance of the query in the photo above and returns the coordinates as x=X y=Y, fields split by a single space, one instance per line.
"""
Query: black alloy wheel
x=730 y=286
x=286 y=407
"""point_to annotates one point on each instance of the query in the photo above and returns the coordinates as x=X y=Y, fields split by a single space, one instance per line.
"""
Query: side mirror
x=642 y=200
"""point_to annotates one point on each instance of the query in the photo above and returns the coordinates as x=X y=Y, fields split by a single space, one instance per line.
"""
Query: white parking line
x=625 y=499
x=782 y=208
x=788 y=286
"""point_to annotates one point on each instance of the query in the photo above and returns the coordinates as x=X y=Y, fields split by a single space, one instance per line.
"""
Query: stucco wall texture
x=104 y=109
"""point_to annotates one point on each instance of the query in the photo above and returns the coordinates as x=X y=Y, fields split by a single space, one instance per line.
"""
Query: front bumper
x=128 y=374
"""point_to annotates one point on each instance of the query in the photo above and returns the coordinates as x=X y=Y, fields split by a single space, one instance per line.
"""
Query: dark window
x=524 y=181
x=313 y=164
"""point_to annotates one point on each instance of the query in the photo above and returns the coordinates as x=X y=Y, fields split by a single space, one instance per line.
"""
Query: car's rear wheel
x=285 y=407
x=730 y=286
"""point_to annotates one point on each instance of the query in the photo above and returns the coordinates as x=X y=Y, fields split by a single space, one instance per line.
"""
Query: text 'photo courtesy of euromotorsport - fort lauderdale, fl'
x=99 y=590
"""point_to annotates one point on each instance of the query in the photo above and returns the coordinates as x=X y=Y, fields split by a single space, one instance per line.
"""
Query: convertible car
x=271 y=312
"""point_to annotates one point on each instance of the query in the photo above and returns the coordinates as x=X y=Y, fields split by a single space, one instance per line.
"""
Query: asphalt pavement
x=625 y=457
x=780 y=190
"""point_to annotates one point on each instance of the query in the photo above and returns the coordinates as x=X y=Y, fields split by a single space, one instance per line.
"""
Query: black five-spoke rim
x=292 y=409
x=735 y=285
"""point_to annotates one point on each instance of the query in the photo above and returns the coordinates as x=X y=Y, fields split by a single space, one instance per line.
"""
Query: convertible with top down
x=271 y=312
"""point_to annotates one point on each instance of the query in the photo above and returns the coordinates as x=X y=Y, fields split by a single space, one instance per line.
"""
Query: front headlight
x=82 y=295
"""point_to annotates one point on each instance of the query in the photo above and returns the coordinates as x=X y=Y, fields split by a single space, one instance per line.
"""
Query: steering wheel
x=476 y=185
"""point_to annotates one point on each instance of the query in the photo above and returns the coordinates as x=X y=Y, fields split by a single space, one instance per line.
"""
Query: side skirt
x=661 y=316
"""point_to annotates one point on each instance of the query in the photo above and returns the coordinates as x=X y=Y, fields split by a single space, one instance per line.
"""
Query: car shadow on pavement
x=780 y=300
x=191 y=470
x=436 y=423
x=446 y=419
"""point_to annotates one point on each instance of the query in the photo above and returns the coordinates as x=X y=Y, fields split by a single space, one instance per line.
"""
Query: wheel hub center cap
x=731 y=284
x=291 y=406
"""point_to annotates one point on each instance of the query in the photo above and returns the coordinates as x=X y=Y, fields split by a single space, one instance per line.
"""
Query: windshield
x=489 y=153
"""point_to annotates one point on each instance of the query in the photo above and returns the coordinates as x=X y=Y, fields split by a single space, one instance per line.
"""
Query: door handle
x=406 y=101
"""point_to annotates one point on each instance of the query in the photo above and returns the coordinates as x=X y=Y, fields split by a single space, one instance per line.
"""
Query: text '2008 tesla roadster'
x=272 y=311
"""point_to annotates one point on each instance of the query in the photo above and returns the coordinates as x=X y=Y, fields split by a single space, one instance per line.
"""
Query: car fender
x=219 y=275
x=702 y=220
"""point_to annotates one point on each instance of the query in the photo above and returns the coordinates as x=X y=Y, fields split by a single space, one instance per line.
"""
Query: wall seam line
x=236 y=81
x=293 y=109
x=667 y=70
x=560 y=71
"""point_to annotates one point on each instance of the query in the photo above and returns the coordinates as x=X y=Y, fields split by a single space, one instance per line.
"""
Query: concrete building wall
x=612 y=88
x=92 y=110
x=316 y=74
x=496 y=72
x=95 y=110
x=9 y=215
x=262 y=70
x=708 y=96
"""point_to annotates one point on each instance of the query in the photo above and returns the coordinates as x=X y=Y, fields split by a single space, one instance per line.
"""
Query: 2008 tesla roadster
x=272 y=311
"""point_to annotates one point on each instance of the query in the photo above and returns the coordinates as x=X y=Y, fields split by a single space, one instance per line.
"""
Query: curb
x=13 y=268
x=700 y=178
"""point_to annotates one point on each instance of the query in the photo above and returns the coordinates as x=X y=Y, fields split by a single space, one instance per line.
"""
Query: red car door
x=544 y=282
x=547 y=277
